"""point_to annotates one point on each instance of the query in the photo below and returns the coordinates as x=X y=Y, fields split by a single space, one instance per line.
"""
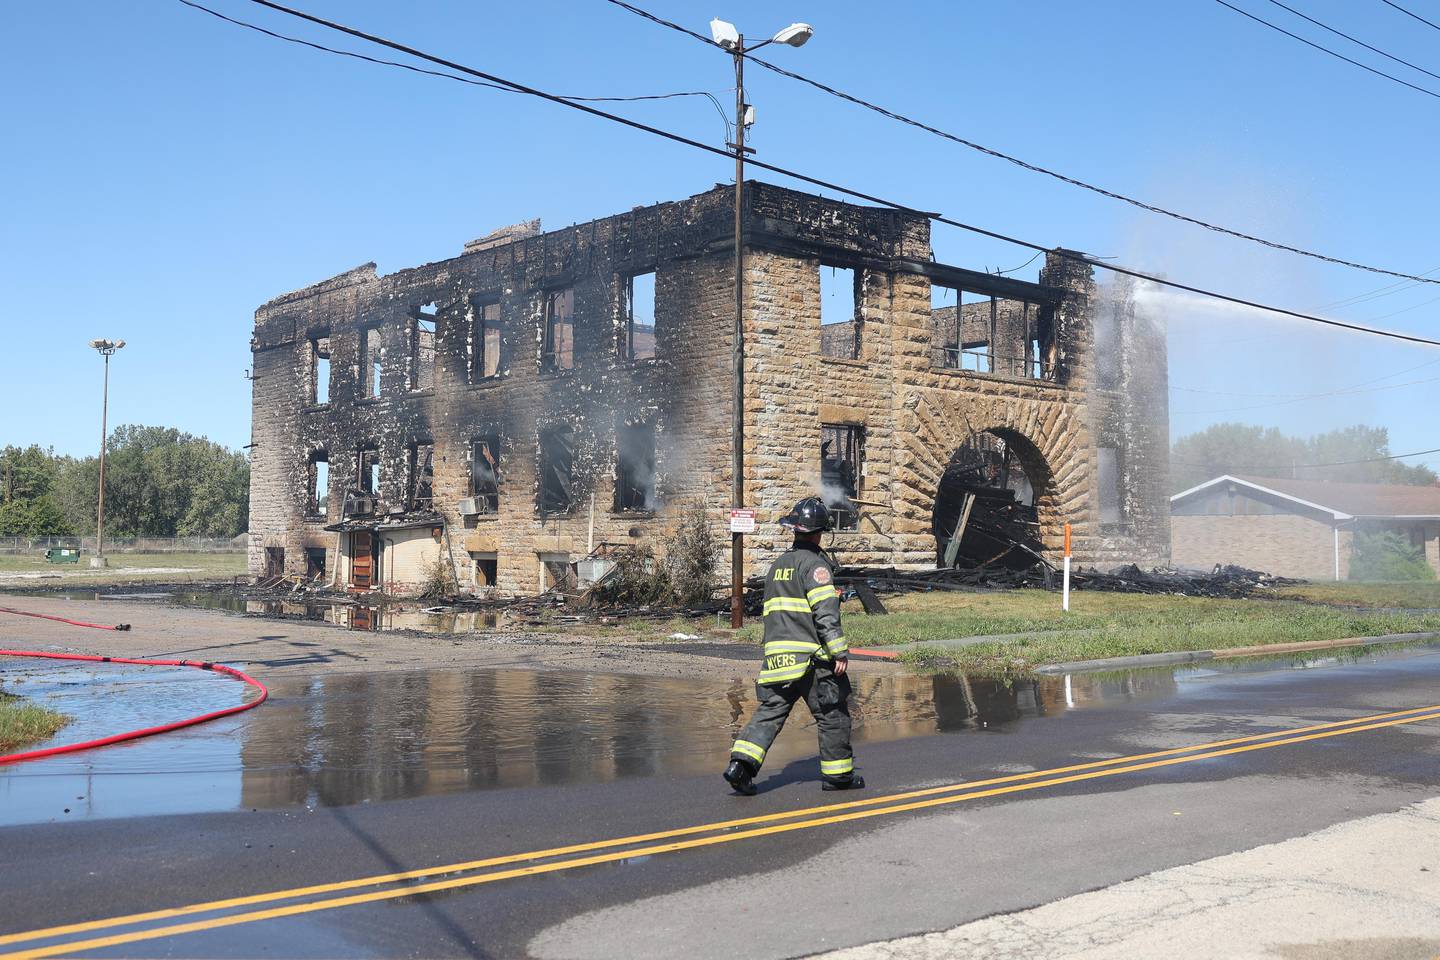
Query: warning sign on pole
x=742 y=521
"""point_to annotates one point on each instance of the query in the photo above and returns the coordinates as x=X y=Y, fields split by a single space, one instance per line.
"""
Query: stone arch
x=1048 y=437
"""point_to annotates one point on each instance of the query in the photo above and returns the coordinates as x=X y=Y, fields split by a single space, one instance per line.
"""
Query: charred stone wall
x=908 y=413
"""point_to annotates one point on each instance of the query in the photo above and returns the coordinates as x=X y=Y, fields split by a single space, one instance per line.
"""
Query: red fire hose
x=131 y=734
x=73 y=623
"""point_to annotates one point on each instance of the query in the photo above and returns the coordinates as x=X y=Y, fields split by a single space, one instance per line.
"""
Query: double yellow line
x=321 y=896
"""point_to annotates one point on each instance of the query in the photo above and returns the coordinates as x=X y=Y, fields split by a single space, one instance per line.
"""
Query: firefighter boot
x=852 y=782
x=740 y=777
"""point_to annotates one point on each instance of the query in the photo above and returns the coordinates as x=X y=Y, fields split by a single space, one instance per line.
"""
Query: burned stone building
x=507 y=412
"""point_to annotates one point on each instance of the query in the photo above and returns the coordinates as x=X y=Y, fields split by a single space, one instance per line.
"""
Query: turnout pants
x=827 y=696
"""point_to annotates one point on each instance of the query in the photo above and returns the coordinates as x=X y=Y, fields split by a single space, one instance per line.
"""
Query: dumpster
x=63 y=555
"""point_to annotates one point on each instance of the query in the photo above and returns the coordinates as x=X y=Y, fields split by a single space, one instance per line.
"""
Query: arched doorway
x=989 y=502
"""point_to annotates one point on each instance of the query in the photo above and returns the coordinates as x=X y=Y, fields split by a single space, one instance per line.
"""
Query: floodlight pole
x=106 y=348
x=737 y=358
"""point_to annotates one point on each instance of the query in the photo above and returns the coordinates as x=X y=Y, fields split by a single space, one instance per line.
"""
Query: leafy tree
x=1237 y=448
x=26 y=473
x=40 y=517
x=1386 y=555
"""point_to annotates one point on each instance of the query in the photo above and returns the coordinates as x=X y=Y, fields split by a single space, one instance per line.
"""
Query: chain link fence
x=24 y=545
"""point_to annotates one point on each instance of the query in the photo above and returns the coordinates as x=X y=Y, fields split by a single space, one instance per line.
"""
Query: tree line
x=1240 y=449
x=159 y=482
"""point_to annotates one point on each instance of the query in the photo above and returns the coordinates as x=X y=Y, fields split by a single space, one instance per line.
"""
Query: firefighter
x=805 y=659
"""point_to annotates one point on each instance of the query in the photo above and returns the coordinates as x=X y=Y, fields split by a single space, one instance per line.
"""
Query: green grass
x=23 y=723
x=1411 y=594
x=1098 y=625
x=124 y=568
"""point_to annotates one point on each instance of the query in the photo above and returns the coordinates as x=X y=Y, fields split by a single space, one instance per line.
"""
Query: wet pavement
x=369 y=737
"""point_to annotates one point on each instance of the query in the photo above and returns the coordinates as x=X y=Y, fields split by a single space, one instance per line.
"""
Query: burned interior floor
x=508 y=414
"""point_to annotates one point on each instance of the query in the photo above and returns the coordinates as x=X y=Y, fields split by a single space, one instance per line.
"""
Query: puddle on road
x=353 y=738
x=351 y=616
x=357 y=738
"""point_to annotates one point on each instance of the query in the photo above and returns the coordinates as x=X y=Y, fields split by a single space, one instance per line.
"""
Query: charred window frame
x=367 y=470
x=840 y=323
x=635 y=467
x=372 y=361
x=637 y=317
x=320 y=369
x=842 y=470
x=421 y=370
x=485 y=473
x=558 y=351
x=486 y=565
x=421 y=476
x=482 y=344
x=317 y=484
x=557 y=470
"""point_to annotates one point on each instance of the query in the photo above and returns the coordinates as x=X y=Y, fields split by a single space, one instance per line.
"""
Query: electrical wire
x=1340 y=33
x=1024 y=164
x=1325 y=49
x=1070 y=255
x=1308 y=466
x=1410 y=14
x=1302 y=399
x=449 y=76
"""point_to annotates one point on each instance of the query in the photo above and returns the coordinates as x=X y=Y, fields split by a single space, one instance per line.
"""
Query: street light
x=106 y=348
x=728 y=37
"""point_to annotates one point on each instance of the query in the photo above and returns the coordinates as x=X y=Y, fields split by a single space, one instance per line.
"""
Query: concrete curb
x=1198 y=656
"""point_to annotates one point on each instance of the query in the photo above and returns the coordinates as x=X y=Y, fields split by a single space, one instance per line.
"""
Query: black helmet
x=808 y=516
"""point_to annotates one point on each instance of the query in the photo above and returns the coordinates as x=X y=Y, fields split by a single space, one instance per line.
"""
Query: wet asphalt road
x=778 y=895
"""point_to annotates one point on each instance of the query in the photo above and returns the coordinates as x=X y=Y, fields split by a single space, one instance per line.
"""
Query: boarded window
x=559 y=348
x=368 y=478
x=1112 y=509
x=483 y=343
x=485 y=473
x=422 y=476
x=422 y=348
x=639 y=317
x=557 y=464
x=320 y=370
x=839 y=313
x=318 y=484
x=372 y=353
x=842 y=458
x=635 y=467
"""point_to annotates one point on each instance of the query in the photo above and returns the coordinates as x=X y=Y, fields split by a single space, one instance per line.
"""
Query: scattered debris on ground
x=1223 y=582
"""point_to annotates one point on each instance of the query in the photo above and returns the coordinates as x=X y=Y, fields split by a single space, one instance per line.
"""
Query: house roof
x=1342 y=500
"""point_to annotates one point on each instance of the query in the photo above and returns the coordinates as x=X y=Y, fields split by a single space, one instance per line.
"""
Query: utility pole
x=729 y=39
x=737 y=354
x=106 y=348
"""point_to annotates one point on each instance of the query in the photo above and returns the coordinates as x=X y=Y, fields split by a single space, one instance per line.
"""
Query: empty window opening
x=422 y=348
x=842 y=460
x=318 y=484
x=372 y=355
x=559 y=352
x=975 y=356
x=485 y=474
x=486 y=567
x=1112 y=505
x=483 y=343
x=314 y=562
x=839 y=312
x=422 y=476
x=557 y=464
x=635 y=467
x=556 y=572
x=639 y=317
x=368 y=473
x=274 y=561
x=320 y=370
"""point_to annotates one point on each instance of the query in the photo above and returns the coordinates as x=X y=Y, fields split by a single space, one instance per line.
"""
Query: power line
x=1070 y=255
x=1324 y=49
x=1340 y=33
x=1299 y=399
x=1024 y=164
x=1410 y=14
x=446 y=76
x=1306 y=466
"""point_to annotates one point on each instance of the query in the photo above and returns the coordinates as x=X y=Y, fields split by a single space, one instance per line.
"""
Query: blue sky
x=165 y=173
